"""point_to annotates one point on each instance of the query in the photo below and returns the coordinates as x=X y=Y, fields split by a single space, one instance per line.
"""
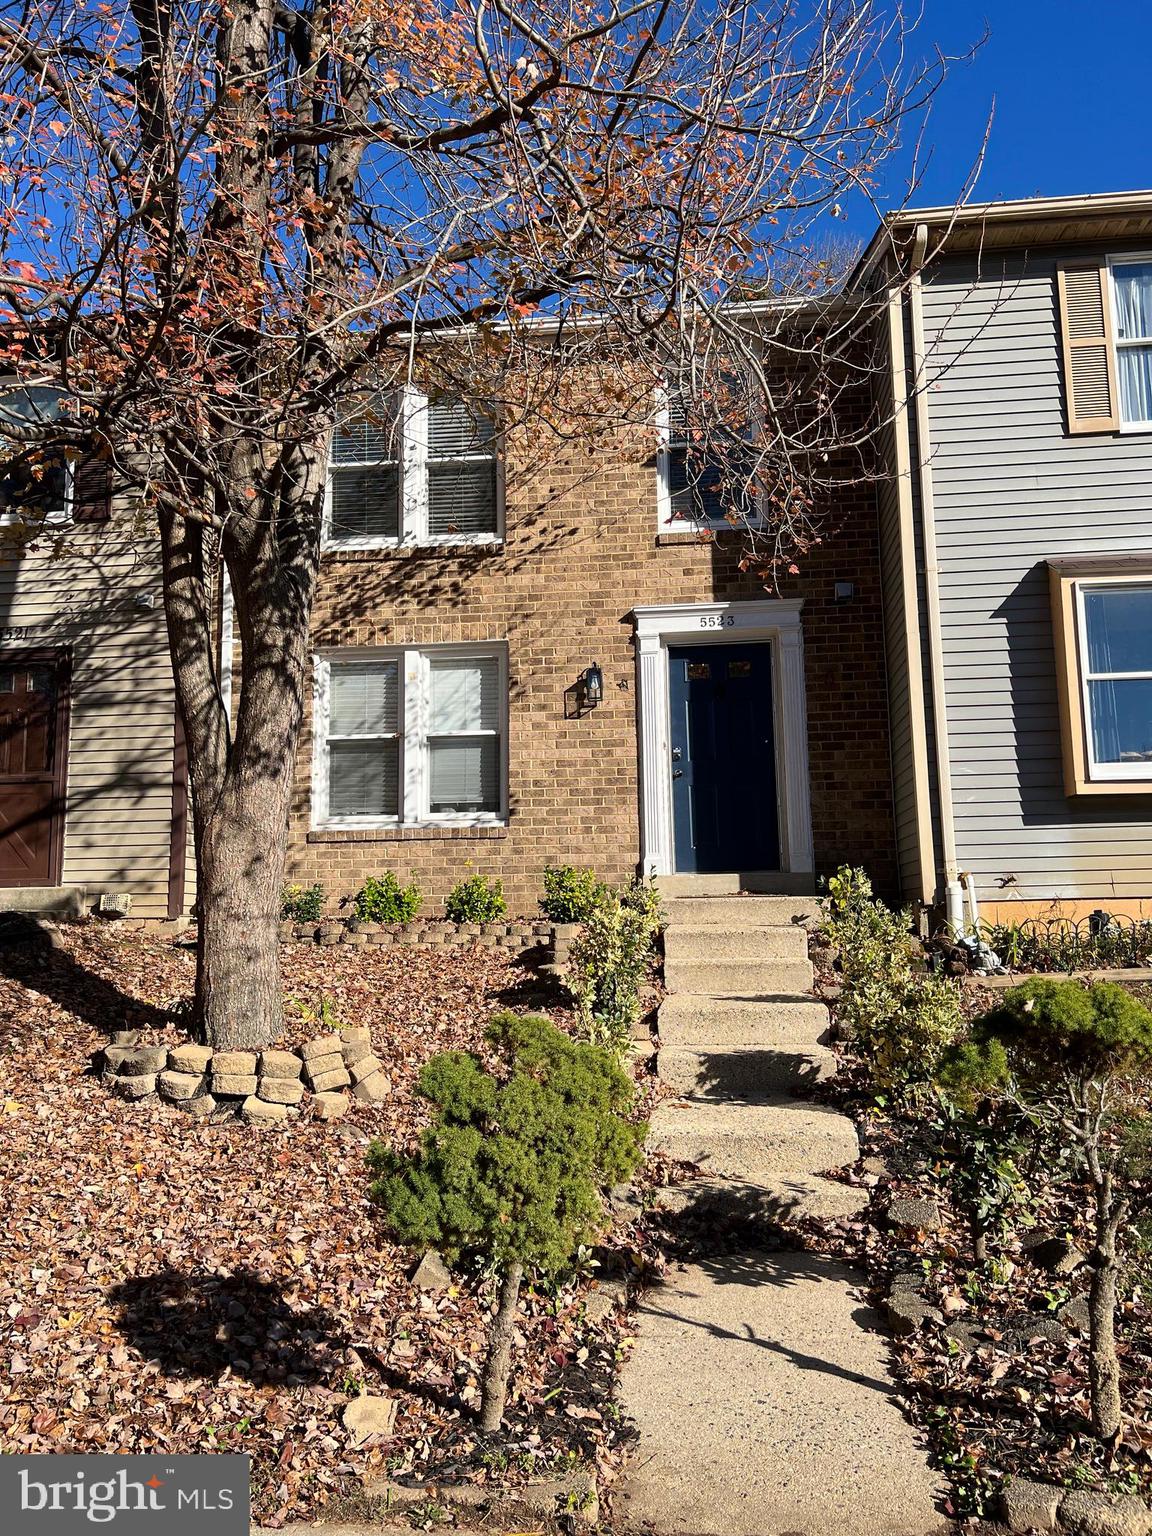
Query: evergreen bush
x=512 y=1168
x=476 y=900
x=302 y=903
x=384 y=900
x=570 y=895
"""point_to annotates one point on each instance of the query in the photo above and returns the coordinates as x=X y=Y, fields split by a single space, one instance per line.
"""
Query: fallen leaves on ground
x=173 y=1285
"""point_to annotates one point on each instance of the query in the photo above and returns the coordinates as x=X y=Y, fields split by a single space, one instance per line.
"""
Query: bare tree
x=220 y=222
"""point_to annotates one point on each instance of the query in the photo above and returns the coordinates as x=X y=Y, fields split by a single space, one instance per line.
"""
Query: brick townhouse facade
x=587 y=566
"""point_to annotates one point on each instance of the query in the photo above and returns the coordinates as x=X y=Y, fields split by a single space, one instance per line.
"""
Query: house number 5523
x=717 y=620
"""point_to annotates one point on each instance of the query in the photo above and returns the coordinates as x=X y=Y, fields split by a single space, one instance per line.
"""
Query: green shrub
x=385 y=900
x=302 y=903
x=475 y=900
x=1076 y=1061
x=512 y=1168
x=570 y=895
x=902 y=1018
x=610 y=959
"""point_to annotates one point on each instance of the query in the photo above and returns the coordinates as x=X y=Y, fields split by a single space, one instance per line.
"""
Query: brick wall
x=581 y=551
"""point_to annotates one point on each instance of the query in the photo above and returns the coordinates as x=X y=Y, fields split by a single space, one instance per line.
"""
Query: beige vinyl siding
x=80 y=595
x=1013 y=488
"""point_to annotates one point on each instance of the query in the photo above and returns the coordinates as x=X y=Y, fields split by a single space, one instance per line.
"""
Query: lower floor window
x=409 y=736
x=1116 y=662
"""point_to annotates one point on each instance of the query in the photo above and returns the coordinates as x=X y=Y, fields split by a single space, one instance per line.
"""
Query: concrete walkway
x=758 y=1382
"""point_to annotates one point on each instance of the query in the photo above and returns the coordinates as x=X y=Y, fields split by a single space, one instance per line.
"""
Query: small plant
x=1076 y=1061
x=610 y=960
x=475 y=900
x=302 y=903
x=570 y=895
x=902 y=1019
x=323 y=1016
x=513 y=1166
x=385 y=900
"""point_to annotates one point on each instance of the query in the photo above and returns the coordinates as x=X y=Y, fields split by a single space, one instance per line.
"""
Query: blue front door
x=723 y=758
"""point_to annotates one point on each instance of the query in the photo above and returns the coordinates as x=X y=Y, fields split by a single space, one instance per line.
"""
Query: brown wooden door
x=33 y=748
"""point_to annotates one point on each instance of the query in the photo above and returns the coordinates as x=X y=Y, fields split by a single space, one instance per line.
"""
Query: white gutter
x=932 y=579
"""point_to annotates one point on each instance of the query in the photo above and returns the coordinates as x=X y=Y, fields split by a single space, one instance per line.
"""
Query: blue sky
x=1070 y=87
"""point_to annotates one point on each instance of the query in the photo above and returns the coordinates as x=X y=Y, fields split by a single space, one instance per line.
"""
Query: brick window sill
x=697 y=536
x=406 y=834
x=411 y=552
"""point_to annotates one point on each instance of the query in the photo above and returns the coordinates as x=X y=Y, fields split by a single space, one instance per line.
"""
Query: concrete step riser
x=753 y=945
x=757 y=1142
x=730 y=978
x=742 y=1074
x=739 y=913
x=713 y=1021
x=782 y=1200
x=770 y=883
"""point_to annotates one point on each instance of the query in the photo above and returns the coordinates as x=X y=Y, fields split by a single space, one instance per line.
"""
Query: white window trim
x=413 y=491
x=666 y=517
x=413 y=715
x=1098 y=772
x=773 y=620
x=59 y=517
x=1124 y=259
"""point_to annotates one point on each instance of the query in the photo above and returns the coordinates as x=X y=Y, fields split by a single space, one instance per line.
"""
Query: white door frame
x=774 y=620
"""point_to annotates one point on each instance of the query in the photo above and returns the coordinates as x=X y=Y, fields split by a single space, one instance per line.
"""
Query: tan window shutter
x=1089 y=357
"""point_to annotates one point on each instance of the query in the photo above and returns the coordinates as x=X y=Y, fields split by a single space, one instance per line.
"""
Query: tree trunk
x=495 y=1385
x=241 y=780
x=1103 y=1365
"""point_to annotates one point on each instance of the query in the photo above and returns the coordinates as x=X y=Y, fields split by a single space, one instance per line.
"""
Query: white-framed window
x=690 y=493
x=1114 y=644
x=412 y=736
x=406 y=469
x=1131 y=290
x=45 y=493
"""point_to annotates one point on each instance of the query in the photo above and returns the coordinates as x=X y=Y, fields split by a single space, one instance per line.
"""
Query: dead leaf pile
x=171 y=1285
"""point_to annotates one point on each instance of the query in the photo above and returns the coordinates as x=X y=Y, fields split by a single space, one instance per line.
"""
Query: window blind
x=364 y=778
x=364 y=698
x=365 y=478
x=461 y=470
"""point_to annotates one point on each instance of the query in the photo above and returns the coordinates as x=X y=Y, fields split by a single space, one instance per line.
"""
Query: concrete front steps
x=736 y=978
x=762 y=1399
x=753 y=1141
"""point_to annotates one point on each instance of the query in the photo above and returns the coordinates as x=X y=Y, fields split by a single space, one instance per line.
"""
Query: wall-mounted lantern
x=592 y=681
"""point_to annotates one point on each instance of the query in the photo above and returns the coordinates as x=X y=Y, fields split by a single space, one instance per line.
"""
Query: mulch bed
x=172 y=1285
x=989 y=1405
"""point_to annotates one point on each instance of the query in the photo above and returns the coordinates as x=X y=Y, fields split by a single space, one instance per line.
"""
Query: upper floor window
x=1132 y=301
x=413 y=470
x=31 y=486
x=691 y=488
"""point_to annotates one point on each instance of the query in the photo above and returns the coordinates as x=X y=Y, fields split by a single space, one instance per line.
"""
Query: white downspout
x=953 y=890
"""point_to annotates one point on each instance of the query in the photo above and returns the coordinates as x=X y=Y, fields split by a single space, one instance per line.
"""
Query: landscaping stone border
x=514 y=934
x=1031 y=1506
x=260 y=1087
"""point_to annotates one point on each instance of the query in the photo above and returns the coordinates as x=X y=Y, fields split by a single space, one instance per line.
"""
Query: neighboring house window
x=410 y=737
x=1106 y=334
x=414 y=471
x=1116 y=668
x=1102 y=623
x=1132 y=302
x=44 y=490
